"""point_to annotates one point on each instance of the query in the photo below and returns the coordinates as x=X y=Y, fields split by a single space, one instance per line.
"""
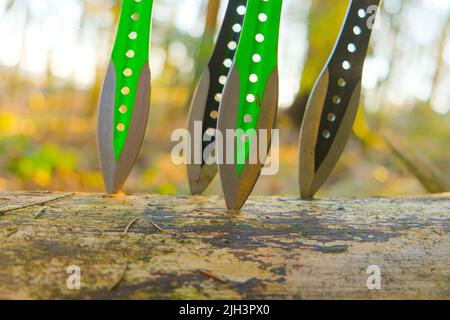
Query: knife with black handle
x=205 y=103
x=333 y=103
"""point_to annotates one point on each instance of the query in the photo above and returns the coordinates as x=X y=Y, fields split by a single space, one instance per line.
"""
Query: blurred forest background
x=53 y=56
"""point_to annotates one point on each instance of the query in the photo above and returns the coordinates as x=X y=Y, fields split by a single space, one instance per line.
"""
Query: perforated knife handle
x=125 y=97
x=256 y=63
x=345 y=71
x=221 y=62
x=130 y=59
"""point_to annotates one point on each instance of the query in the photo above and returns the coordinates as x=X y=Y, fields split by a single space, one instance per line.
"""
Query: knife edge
x=116 y=170
x=199 y=176
x=238 y=187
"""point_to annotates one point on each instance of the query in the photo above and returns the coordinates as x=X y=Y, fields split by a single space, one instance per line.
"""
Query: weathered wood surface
x=189 y=247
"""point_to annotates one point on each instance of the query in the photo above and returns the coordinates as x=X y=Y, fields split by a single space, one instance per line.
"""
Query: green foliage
x=30 y=161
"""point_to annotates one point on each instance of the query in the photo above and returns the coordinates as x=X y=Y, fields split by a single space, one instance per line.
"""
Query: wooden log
x=175 y=247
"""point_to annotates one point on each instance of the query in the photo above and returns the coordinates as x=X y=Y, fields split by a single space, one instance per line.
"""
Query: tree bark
x=207 y=42
x=211 y=16
x=206 y=45
x=155 y=247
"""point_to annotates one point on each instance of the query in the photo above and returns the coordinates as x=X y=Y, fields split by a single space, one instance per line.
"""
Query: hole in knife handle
x=237 y=28
x=253 y=78
x=256 y=58
x=125 y=91
x=341 y=82
x=331 y=117
x=336 y=99
x=357 y=30
x=346 y=65
x=262 y=17
x=214 y=114
x=248 y=118
x=135 y=16
x=123 y=109
x=232 y=45
x=326 y=134
x=241 y=10
x=133 y=35
x=228 y=63
x=127 y=72
x=259 y=37
x=223 y=80
x=120 y=127
x=362 y=13
x=351 y=47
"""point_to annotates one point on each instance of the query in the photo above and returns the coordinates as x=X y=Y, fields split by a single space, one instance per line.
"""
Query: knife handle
x=345 y=68
x=130 y=58
x=256 y=61
x=221 y=62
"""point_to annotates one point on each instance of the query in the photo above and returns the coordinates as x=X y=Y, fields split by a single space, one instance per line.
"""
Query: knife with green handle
x=333 y=104
x=125 y=98
x=249 y=102
x=205 y=103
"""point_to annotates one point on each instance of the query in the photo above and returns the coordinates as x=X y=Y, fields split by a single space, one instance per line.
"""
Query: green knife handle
x=256 y=60
x=130 y=55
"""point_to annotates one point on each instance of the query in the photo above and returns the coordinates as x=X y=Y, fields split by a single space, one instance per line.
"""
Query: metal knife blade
x=125 y=97
x=249 y=103
x=205 y=103
x=333 y=104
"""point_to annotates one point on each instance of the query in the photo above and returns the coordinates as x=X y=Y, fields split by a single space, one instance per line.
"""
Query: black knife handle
x=345 y=68
x=219 y=65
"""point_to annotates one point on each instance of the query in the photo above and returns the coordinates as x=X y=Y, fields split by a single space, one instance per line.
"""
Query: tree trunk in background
x=440 y=64
x=211 y=16
x=325 y=20
x=206 y=43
